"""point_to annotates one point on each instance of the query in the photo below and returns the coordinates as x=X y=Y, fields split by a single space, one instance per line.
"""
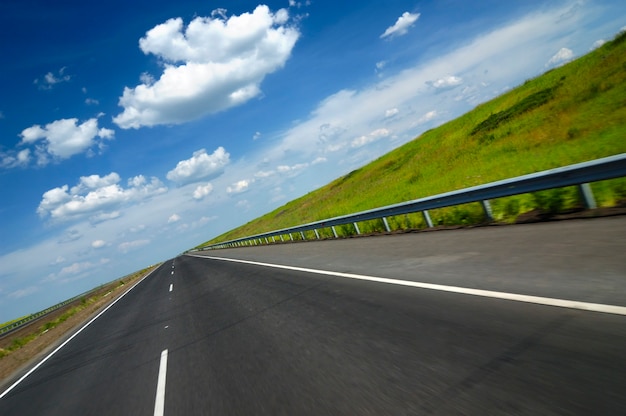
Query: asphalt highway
x=205 y=336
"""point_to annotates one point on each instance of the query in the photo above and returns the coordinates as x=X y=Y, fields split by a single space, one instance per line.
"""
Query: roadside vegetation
x=568 y=115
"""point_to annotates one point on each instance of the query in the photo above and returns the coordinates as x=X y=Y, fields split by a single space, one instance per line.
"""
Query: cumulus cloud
x=96 y=195
x=98 y=243
x=239 y=186
x=598 y=43
x=13 y=159
x=292 y=168
x=200 y=166
x=173 y=218
x=446 y=82
x=64 y=138
x=211 y=65
x=202 y=191
x=402 y=25
x=51 y=79
x=76 y=268
x=427 y=117
x=562 y=56
x=371 y=137
x=391 y=112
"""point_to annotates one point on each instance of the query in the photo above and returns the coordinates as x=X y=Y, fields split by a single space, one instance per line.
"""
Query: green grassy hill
x=568 y=115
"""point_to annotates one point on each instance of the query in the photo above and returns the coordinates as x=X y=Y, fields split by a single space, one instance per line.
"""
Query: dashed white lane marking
x=159 y=403
x=172 y=271
x=562 y=303
x=32 y=370
x=171 y=286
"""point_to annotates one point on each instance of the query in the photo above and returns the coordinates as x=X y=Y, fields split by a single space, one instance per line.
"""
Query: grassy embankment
x=570 y=114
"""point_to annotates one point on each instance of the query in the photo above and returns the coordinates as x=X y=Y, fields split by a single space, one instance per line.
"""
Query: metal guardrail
x=580 y=174
x=32 y=317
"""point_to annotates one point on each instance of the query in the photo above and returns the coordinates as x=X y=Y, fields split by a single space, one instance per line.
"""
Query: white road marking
x=171 y=286
x=32 y=370
x=562 y=303
x=159 y=403
x=172 y=271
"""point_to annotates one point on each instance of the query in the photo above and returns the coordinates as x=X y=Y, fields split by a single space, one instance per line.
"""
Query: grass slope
x=568 y=115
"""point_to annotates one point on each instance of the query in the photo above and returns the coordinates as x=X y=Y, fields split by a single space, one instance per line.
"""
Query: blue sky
x=132 y=131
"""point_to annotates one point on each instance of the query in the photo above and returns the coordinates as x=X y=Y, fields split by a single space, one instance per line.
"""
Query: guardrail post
x=356 y=227
x=281 y=238
x=487 y=208
x=587 y=196
x=317 y=235
x=273 y=239
x=291 y=236
x=426 y=215
x=386 y=225
x=334 y=231
x=302 y=235
x=266 y=241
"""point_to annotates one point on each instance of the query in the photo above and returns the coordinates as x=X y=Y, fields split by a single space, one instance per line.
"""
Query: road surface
x=205 y=336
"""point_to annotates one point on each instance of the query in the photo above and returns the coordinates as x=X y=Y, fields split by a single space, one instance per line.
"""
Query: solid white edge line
x=562 y=303
x=32 y=370
x=159 y=402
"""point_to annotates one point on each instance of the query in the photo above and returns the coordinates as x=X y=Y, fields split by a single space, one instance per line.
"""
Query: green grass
x=568 y=115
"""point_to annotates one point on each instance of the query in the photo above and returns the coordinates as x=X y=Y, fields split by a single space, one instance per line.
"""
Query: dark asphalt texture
x=251 y=340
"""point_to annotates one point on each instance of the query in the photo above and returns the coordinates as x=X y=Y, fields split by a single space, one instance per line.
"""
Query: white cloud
x=402 y=25
x=202 y=191
x=239 y=186
x=391 y=112
x=75 y=268
x=95 y=195
x=446 y=82
x=371 y=137
x=173 y=218
x=13 y=159
x=65 y=138
x=427 y=117
x=211 y=65
x=292 y=168
x=199 y=166
x=91 y=101
x=256 y=135
x=51 y=79
x=264 y=174
x=127 y=246
x=98 y=243
x=562 y=56
x=598 y=43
